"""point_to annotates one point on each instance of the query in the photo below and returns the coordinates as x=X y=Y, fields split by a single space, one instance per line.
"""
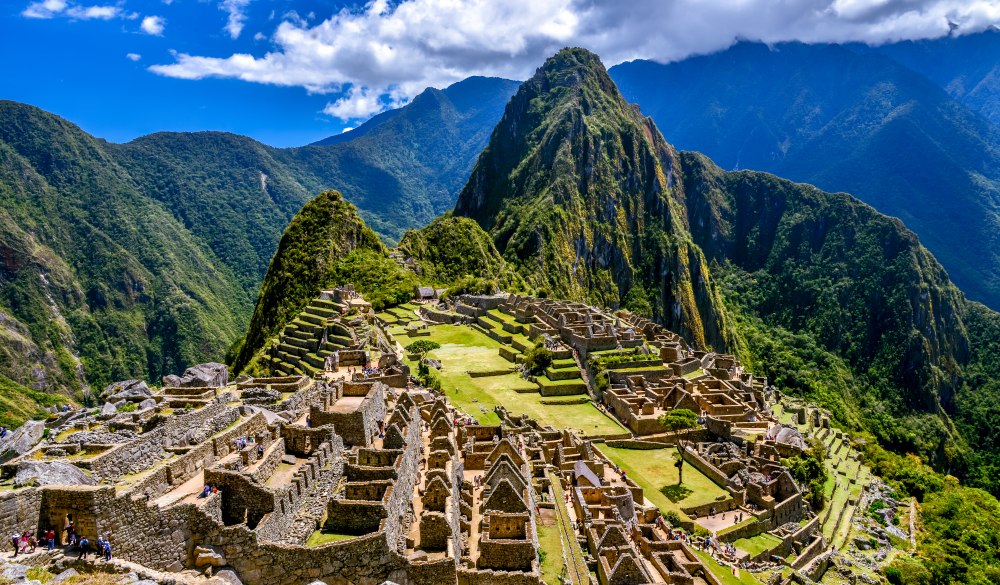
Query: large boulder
x=208 y=556
x=108 y=410
x=119 y=391
x=210 y=375
x=20 y=441
x=136 y=393
x=51 y=473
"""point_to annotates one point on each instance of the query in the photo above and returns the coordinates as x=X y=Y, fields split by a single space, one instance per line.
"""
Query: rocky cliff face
x=584 y=197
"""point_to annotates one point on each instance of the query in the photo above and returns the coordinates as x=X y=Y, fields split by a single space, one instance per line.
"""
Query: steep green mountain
x=855 y=283
x=583 y=196
x=451 y=248
x=325 y=245
x=98 y=282
x=232 y=192
x=843 y=120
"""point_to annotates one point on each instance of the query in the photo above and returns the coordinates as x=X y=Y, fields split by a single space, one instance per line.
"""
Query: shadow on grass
x=676 y=492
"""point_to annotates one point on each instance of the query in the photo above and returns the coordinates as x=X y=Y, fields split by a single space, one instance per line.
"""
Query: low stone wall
x=140 y=454
x=706 y=468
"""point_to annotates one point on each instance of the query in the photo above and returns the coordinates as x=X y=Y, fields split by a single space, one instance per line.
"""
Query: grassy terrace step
x=306 y=344
x=314 y=360
x=302 y=325
x=325 y=304
x=549 y=387
x=320 y=311
x=562 y=374
x=315 y=320
x=563 y=364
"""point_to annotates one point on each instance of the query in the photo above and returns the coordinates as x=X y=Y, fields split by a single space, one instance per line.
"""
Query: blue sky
x=290 y=72
x=79 y=69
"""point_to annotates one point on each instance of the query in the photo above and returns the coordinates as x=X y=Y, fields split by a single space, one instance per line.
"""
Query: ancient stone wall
x=19 y=510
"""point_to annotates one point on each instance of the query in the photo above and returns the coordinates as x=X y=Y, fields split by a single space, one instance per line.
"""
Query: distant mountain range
x=139 y=259
x=853 y=120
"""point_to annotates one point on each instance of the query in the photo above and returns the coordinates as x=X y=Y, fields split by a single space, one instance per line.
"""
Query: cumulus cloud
x=133 y=56
x=381 y=55
x=236 y=9
x=153 y=25
x=55 y=8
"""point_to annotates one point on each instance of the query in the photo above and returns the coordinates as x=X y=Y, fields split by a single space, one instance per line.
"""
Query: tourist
x=84 y=546
x=50 y=536
x=16 y=541
x=107 y=550
x=206 y=491
x=260 y=451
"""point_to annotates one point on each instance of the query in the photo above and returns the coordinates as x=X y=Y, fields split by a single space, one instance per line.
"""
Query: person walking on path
x=84 y=547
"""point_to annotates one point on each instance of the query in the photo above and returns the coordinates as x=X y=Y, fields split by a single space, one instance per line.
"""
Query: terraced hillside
x=315 y=334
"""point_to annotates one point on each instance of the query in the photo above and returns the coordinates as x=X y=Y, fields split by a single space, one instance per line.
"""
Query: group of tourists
x=27 y=543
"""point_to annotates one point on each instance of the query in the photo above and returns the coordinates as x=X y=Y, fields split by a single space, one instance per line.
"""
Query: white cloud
x=259 y=36
x=54 y=8
x=153 y=25
x=89 y=12
x=44 y=9
x=387 y=52
x=236 y=9
x=133 y=56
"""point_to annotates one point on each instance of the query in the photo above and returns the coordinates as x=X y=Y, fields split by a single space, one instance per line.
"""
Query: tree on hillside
x=680 y=419
x=537 y=359
x=422 y=346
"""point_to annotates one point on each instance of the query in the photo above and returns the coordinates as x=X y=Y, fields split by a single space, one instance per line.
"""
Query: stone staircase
x=301 y=349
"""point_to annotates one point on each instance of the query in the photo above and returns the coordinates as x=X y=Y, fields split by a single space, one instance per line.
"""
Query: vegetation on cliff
x=97 y=282
x=582 y=196
x=325 y=245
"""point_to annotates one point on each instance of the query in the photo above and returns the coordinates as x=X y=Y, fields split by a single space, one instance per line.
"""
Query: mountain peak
x=576 y=188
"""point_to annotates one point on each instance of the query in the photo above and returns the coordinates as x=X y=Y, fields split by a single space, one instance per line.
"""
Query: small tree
x=537 y=358
x=680 y=419
x=421 y=347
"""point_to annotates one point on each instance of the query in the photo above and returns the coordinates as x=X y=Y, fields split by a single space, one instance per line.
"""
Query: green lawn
x=757 y=544
x=654 y=469
x=725 y=574
x=550 y=543
x=321 y=537
x=465 y=349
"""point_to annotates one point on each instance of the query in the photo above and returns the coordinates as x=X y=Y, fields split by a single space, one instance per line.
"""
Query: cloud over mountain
x=381 y=55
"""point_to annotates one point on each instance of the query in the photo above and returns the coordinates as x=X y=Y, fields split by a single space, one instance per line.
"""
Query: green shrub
x=537 y=359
